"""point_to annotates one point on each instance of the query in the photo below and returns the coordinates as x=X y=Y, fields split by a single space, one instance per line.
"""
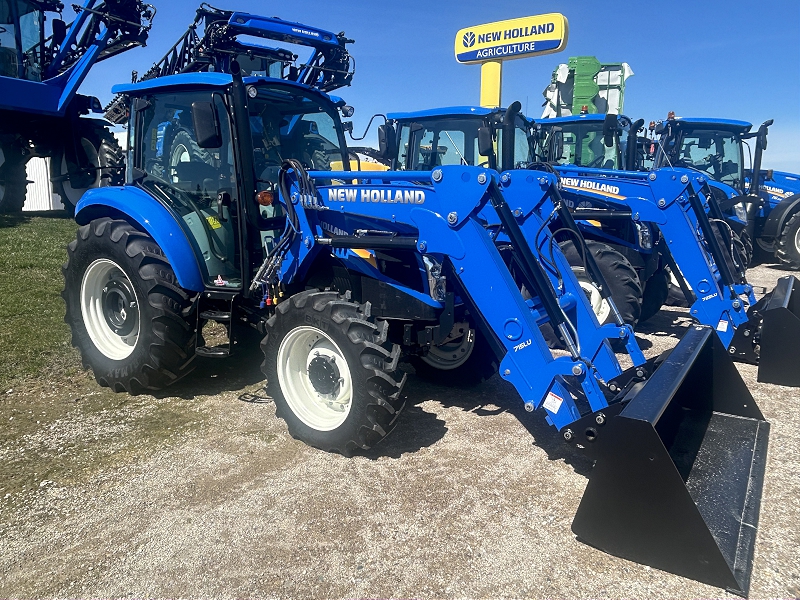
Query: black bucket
x=679 y=470
x=779 y=357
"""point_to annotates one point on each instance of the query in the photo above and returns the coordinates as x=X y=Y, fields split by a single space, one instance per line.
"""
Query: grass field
x=33 y=335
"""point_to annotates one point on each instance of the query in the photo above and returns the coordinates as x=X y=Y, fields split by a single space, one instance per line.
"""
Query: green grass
x=33 y=334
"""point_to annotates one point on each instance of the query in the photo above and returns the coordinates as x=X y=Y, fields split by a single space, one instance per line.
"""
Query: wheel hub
x=119 y=307
x=324 y=374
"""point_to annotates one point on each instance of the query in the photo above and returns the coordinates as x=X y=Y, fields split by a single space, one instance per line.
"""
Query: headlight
x=741 y=212
x=645 y=235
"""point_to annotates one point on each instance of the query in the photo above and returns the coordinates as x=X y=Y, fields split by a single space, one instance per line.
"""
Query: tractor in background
x=41 y=113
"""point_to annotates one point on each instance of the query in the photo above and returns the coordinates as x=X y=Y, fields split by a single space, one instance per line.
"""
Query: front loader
x=688 y=229
x=343 y=274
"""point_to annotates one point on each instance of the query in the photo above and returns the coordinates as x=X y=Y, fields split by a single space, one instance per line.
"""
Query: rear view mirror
x=206 y=125
x=387 y=142
x=704 y=143
x=610 y=127
x=59 y=32
x=555 y=145
x=485 y=141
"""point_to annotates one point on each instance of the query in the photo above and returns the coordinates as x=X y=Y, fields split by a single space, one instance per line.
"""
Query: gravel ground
x=202 y=493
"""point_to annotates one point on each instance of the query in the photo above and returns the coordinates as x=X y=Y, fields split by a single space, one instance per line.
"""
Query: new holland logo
x=469 y=39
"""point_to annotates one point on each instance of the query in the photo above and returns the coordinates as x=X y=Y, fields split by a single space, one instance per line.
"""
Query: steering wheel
x=596 y=162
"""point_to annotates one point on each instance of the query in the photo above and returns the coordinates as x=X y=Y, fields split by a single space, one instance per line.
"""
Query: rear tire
x=331 y=372
x=104 y=154
x=787 y=250
x=13 y=180
x=621 y=277
x=131 y=321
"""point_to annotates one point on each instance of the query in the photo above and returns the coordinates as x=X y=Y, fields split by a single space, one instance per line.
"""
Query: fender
x=778 y=216
x=136 y=205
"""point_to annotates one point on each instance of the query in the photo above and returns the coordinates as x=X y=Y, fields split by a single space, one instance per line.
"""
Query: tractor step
x=216 y=315
x=213 y=351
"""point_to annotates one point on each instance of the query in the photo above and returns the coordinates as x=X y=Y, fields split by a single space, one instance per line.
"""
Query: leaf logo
x=469 y=39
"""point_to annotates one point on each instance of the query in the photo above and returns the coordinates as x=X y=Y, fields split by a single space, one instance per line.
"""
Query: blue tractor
x=41 y=113
x=345 y=272
x=768 y=202
x=639 y=224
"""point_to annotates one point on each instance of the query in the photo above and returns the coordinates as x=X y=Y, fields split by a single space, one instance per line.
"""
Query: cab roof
x=722 y=124
x=573 y=119
x=218 y=80
x=449 y=111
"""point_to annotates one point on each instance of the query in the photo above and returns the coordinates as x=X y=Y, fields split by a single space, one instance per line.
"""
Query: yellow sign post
x=491 y=44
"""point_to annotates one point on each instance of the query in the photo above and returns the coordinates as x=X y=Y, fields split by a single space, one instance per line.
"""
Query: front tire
x=621 y=277
x=656 y=292
x=787 y=250
x=331 y=372
x=466 y=360
x=131 y=321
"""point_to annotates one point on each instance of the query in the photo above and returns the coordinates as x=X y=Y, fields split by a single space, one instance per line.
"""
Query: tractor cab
x=22 y=38
x=183 y=141
x=711 y=146
x=594 y=141
x=452 y=136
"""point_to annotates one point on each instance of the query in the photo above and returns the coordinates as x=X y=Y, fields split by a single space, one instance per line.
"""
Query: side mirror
x=206 y=125
x=387 y=142
x=347 y=126
x=59 y=32
x=485 y=141
x=347 y=111
x=555 y=145
x=610 y=127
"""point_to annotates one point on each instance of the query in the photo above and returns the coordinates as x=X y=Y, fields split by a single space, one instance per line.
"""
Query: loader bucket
x=678 y=474
x=780 y=335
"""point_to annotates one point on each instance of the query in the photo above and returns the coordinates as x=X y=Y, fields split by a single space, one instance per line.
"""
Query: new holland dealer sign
x=515 y=38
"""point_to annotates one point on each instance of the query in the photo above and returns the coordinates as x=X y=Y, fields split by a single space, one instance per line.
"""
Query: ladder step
x=216 y=315
x=213 y=351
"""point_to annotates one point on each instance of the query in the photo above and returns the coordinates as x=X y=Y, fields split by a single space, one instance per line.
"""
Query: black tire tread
x=382 y=389
x=785 y=250
x=171 y=351
x=15 y=176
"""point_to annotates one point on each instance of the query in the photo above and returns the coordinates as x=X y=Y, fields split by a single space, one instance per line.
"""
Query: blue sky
x=729 y=59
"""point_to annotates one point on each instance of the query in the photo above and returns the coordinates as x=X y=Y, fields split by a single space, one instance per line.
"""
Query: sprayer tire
x=104 y=153
x=14 y=178
x=110 y=260
x=354 y=400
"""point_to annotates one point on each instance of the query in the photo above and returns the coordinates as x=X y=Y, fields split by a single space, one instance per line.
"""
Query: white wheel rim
x=797 y=240
x=452 y=355
x=73 y=195
x=599 y=304
x=320 y=411
x=100 y=287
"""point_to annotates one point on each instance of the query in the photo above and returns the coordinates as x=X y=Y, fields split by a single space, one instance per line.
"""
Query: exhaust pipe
x=679 y=470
